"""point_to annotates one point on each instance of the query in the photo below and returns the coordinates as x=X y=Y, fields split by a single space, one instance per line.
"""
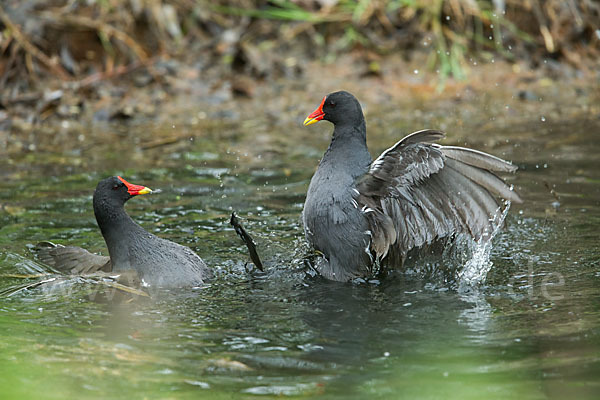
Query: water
x=531 y=330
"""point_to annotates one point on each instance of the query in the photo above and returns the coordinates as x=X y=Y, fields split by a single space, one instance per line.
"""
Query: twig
x=30 y=97
x=12 y=290
x=100 y=26
x=9 y=65
x=23 y=276
x=162 y=142
x=546 y=35
x=31 y=48
x=120 y=70
x=124 y=288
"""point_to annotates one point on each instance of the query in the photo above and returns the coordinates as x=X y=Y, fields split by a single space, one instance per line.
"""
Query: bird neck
x=348 y=146
x=117 y=228
x=350 y=130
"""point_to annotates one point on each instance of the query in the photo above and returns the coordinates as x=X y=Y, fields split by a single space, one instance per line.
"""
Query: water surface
x=530 y=331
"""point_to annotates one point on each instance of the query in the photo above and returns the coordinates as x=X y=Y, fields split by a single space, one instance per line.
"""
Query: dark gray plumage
x=72 y=259
x=158 y=262
x=359 y=212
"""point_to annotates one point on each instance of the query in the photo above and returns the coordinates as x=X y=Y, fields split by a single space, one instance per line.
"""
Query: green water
x=531 y=331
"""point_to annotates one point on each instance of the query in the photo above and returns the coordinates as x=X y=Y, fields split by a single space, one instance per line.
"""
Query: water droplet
x=386 y=354
x=416 y=71
x=447 y=18
x=492 y=26
x=543 y=119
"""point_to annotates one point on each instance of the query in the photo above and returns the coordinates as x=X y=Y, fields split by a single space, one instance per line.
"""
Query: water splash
x=477 y=267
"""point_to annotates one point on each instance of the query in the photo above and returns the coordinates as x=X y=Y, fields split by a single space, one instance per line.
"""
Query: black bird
x=158 y=262
x=360 y=213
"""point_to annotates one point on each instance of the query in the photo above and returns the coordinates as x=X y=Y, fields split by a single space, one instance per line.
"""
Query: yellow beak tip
x=310 y=121
x=145 y=190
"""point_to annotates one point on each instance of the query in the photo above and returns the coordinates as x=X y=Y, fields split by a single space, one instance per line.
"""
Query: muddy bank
x=69 y=67
x=244 y=79
x=190 y=105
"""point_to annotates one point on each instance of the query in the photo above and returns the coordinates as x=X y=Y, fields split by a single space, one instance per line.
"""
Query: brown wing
x=72 y=259
x=417 y=192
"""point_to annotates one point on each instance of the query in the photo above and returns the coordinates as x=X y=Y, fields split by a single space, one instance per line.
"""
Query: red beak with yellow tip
x=134 y=190
x=316 y=115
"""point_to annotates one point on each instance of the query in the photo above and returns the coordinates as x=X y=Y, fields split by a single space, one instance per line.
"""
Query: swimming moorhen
x=158 y=262
x=361 y=213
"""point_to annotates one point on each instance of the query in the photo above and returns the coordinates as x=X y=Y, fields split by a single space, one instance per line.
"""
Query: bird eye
x=115 y=187
x=332 y=103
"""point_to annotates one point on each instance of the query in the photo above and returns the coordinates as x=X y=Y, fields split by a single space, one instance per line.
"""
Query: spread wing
x=417 y=192
x=72 y=259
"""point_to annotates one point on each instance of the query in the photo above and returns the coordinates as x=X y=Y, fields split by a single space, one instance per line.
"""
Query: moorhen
x=361 y=213
x=158 y=262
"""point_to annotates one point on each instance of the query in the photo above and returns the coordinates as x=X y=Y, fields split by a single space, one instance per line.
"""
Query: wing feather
x=478 y=159
x=72 y=259
x=484 y=178
x=418 y=192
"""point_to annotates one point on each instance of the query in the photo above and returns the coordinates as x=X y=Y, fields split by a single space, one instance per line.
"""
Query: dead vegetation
x=82 y=44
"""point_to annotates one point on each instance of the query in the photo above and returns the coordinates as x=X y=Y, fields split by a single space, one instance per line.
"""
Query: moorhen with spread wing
x=158 y=262
x=360 y=213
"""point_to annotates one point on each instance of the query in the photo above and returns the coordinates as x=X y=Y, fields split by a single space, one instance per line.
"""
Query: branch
x=100 y=26
x=30 y=48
